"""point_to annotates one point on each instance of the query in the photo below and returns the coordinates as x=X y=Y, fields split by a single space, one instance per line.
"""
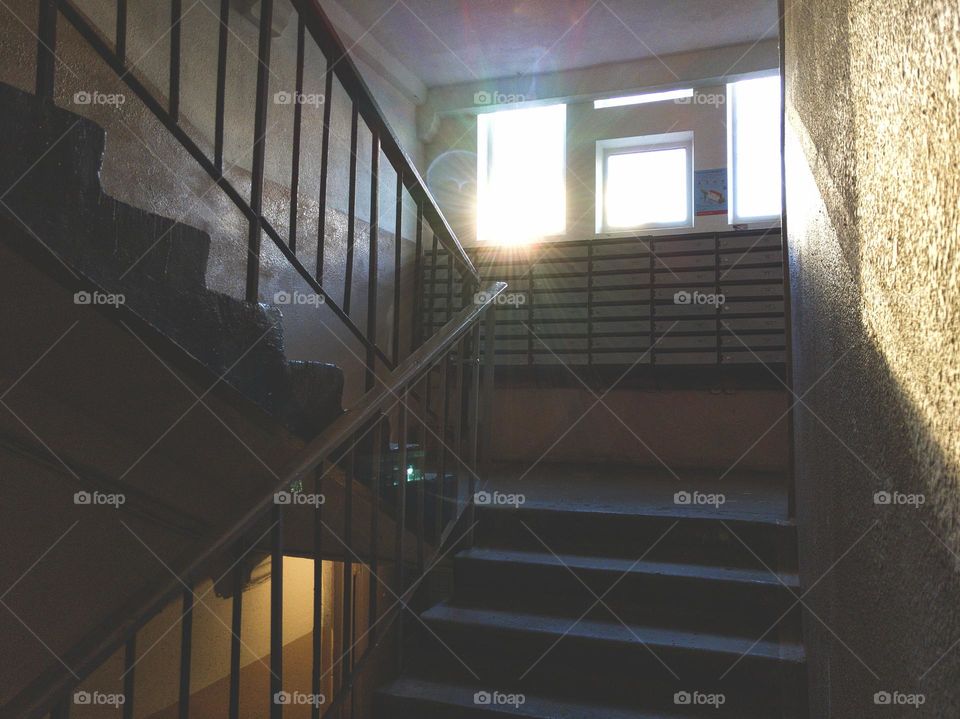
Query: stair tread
x=661 y=511
x=614 y=632
x=535 y=707
x=624 y=566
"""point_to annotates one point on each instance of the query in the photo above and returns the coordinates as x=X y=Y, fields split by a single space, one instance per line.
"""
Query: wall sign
x=710 y=192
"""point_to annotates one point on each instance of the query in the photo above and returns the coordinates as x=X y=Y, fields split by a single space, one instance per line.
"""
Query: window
x=645 y=182
x=753 y=123
x=644 y=98
x=521 y=193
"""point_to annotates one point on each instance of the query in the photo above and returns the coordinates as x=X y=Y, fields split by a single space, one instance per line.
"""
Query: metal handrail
x=87 y=655
x=312 y=24
x=329 y=40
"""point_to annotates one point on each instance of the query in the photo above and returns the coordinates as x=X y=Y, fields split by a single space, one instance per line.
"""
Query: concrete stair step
x=421 y=699
x=604 y=661
x=732 y=600
x=684 y=535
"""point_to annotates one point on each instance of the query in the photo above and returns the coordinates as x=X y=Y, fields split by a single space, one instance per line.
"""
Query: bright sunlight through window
x=644 y=182
x=521 y=192
x=642 y=99
x=647 y=189
x=754 y=122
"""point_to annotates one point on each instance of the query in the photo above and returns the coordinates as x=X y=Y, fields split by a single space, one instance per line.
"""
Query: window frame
x=634 y=145
x=732 y=167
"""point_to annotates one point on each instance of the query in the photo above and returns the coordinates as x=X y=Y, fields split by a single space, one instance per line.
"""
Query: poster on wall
x=710 y=192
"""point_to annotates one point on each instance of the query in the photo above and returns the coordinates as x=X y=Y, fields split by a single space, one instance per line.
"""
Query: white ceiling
x=451 y=41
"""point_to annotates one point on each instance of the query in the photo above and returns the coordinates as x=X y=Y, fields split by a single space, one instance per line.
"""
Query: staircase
x=631 y=607
x=52 y=163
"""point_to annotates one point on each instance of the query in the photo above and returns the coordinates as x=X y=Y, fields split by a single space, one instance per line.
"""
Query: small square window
x=644 y=182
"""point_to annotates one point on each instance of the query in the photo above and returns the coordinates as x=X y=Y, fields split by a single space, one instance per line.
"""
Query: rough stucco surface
x=873 y=178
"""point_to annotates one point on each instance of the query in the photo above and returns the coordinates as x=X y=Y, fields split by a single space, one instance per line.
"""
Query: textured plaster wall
x=873 y=177
x=146 y=167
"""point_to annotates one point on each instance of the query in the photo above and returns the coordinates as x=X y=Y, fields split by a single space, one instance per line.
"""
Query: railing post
x=129 y=677
x=473 y=420
x=401 y=520
x=121 y=31
x=489 y=367
x=324 y=161
x=317 y=667
x=397 y=262
x=416 y=331
x=259 y=149
x=351 y=211
x=236 y=626
x=373 y=265
x=590 y=305
x=186 y=643
x=652 y=349
x=176 y=13
x=719 y=307
x=374 y=565
x=297 y=125
x=46 y=48
x=276 y=612
x=219 y=120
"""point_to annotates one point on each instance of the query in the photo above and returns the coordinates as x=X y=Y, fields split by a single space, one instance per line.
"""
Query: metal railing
x=450 y=452
x=314 y=33
x=695 y=299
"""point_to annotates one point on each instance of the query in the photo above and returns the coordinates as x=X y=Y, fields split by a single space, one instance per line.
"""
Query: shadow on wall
x=875 y=323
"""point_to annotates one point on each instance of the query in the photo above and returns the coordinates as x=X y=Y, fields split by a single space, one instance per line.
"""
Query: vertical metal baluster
x=489 y=358
x=121 y=32
x=129 y=676
x=458 y=427
x=590 y=305
x=276 y=611
x=176 y=13
x=434 y=260
x=186 y=641
x=653 y=302
x=398 y=238
x=531 y=283
x=450 y=281
x=222 y=44
x=373 y=269
x=351 y=210
x=416 y=331
x=297 y=123
x=375 y=465
x=236 y=626
x=719 y=327
x=347 y=607
x=401 y=520
x=324 y=162
x=421 y=489
x=259 y=149
x=442 y=448
x=317 y=668
x=46 y=48
x=473 y=419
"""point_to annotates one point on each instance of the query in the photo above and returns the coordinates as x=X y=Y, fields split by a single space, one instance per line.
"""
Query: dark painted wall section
x=872 y=158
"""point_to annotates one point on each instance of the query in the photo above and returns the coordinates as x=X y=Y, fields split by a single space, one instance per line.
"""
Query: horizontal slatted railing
x=643 y=300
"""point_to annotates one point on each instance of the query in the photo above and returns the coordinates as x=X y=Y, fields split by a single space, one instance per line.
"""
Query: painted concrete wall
x=449 y=121
x=872 y=158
